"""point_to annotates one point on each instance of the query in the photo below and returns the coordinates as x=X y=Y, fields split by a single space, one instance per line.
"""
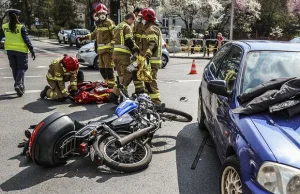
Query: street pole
x=231 y=19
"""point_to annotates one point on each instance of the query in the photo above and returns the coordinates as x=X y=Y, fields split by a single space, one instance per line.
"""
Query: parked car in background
x=75 y=34
x=63 y=36
x=88 y=57
x=2 y=43
x=295 y=40
x=260 y=152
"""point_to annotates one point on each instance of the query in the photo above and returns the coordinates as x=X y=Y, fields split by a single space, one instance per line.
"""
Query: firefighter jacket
x=138 y=33
x=152 y=43
x=103 y=34
x=123 y=39
x=57 y=72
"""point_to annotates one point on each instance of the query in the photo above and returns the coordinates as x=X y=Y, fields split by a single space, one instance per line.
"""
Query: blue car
x=260 y=153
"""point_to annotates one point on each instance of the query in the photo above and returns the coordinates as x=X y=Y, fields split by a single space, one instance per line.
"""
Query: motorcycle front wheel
x=171 y=114
x=131 y=158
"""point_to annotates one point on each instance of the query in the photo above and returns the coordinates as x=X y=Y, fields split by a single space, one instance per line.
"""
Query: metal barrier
x=186 y=45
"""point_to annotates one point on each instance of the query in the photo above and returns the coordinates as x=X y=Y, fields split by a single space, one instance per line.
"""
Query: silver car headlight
x=90 y=50
x=279 y=178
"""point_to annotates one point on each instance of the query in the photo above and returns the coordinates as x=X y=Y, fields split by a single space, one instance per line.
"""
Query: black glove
x=71 y=98
x=73 y=93
x=33 y=55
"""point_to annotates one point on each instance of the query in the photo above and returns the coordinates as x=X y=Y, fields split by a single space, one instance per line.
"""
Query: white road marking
x=42 y=67
x=27 y=91
x=29 y=76
x=198 y=80
x=45 y=51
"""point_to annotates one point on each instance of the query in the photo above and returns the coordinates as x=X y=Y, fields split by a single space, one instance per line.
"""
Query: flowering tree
x=193 y=11
x=246 y=13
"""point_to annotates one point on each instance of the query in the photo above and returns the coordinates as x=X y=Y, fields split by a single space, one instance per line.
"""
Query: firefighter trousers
x=106 y=68
x=55 y=92
x=122 y=61
x=152 y=87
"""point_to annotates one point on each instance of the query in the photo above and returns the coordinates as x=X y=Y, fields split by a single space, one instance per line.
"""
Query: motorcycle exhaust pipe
x=129 y=138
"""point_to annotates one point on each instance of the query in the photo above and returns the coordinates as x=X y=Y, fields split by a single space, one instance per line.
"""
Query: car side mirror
x=218 y=87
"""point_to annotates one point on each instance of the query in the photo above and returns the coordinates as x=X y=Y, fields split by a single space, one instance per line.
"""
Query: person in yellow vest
x=103 y=35
x=124 y=47
x=151 y=49
x=17 y=44
x=63 y=69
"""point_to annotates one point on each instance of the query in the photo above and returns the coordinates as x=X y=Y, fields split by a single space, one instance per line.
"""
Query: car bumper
x=250 y=186
x=84 y=60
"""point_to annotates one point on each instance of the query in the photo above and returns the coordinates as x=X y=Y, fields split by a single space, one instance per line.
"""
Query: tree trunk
x=48 y=25
x=28 y=15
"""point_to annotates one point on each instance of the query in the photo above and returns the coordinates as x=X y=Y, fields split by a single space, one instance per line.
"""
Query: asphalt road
x=177 y=144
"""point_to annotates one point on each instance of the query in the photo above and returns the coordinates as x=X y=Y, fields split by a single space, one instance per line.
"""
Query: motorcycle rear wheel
x=171 y=114
x=130 y=158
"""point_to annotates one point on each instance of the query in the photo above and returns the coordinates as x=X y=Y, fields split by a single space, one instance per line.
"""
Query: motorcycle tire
x=55 y=129
x=176 y=115
x=113 y=163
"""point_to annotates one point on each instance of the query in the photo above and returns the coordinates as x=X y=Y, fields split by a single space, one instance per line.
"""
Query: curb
x=182 y=57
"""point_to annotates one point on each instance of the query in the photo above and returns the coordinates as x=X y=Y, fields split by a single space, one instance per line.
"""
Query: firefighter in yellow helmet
x=61 y=70
x=103 y=34
x=124 y=47
x=151 y=49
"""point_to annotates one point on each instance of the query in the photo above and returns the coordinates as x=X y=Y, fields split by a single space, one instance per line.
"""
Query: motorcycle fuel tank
x=125 y=107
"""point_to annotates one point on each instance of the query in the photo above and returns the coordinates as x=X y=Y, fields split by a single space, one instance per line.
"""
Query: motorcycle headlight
x=279 y=178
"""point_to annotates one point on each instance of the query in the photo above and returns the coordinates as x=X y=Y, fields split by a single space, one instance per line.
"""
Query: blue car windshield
x=262 y=66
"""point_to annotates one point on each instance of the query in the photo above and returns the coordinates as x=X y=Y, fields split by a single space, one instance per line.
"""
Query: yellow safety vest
x=14 y=41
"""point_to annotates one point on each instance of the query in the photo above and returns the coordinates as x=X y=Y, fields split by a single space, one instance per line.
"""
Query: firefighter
x=151 y=49
x=103 y=35
x=17 y=45
x=124 y=47
x=62 y=70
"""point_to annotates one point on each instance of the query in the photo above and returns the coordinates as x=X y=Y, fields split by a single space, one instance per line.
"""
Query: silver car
x=88 y=57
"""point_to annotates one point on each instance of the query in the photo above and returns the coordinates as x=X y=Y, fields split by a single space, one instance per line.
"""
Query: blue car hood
x=282 y=136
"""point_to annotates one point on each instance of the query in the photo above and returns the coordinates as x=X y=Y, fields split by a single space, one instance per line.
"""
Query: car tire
x=96 y=63
x=59 y=41
x=200 y=115
x=65 y=42
x=164 y=61
x=70 y=42
x=231 y=174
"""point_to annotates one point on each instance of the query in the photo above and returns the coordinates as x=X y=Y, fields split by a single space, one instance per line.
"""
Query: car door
x=221 y=105
x=210 y=72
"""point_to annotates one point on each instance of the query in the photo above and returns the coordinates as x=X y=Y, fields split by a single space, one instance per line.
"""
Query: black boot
x=113 y=98
x=19 y=91
x=43 y=94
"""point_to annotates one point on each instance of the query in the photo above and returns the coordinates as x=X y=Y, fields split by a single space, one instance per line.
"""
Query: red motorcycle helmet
x=148 y=14
x=70 y=63
x=101 y=8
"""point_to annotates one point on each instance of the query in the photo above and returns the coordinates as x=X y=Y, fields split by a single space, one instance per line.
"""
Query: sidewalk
x=189 y=55
x=44 y=39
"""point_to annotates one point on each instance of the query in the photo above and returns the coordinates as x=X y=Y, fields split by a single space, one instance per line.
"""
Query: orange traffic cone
x=193 y=70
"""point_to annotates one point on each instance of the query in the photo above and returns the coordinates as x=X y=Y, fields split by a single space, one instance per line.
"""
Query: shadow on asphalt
x=8 y=96
x=42 y=106
x=91 y=110
x=34 y=175
x=204 y=179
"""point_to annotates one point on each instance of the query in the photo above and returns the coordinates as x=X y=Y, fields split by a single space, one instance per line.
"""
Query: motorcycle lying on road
x=121 y=141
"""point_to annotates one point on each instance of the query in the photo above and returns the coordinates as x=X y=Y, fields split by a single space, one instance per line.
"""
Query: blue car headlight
x=279 y=178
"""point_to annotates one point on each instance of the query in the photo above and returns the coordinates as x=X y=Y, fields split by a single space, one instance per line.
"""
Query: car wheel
x=200 y=115
x=70 y=43
x=164 y=60
x=65 y=40
x=230 y=179
x=96 y=64
x=59 y=41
